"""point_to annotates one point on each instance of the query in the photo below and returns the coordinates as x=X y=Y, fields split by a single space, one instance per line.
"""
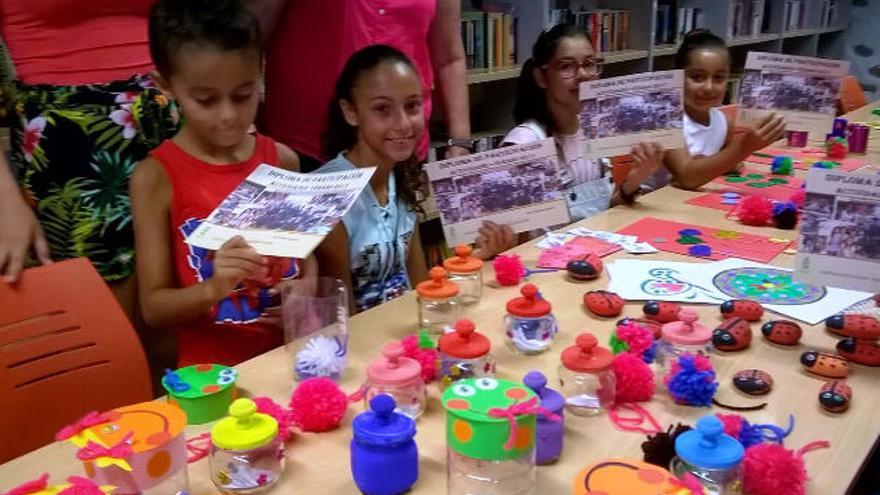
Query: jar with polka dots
x=530 y=325
x=247 y=455
x=490 y=437
x=396 y=375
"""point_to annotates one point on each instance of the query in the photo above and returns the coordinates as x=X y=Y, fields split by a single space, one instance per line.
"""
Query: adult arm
x=450 y=73
x=267 y=13
x=19 y=228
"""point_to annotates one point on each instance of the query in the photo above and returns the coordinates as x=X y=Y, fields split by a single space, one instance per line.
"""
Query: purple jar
x=858 y=138
x=549 y=434
x=838 y=128
x=796 y=139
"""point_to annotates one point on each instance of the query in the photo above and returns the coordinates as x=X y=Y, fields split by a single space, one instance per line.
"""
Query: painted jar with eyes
x=464 y=353
x=467 y=272
x=586 y=378
x=439 y=304
x=710 y=455
x=247 y=455
x=490 y=437
x=203 y=391
x=400 y=377
x=530 y=325
x=384 y=456
x=685 y=336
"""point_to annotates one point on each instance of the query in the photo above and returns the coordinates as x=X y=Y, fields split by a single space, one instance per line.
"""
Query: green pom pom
x=617 y=346
x=425 y=341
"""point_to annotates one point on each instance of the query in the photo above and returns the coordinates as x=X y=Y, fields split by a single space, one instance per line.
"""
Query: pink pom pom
x=318 y=404
x=733 y=423
x=426 y=357
x=771 y=469
x=798 y=197
x=81 y=486
x=284 y=416
x=755 y=210
x=509 y=270
x=638 y=338
x=635 y=380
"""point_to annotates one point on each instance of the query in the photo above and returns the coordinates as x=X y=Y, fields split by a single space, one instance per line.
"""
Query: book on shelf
x=688 y=19
x=746 y=18
x=608 y=29
x=489 y=37
x=794 y=15
x=828 y=13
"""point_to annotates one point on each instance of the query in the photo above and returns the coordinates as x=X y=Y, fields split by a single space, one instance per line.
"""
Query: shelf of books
x=752 y=39
x=830 y=29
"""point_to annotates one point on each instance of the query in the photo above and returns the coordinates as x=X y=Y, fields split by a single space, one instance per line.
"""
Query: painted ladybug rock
x=742 y=308
x=854 y=325
x=753 y=382
x=655 y=327
x=603 y=303
x=588 y=268
x=734 y=334
x=835 y=396
x=863 y=352
x=782 y=332
x=823 y=364
x=662 y=311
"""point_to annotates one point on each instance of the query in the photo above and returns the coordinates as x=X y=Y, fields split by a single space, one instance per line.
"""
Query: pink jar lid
x=686 y=331
x=392 y=367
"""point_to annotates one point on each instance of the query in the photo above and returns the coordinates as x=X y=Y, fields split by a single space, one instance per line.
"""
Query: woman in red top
x=207 y=53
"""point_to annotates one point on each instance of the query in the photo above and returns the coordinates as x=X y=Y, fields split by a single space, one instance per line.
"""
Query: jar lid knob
x=383 y=405
x=242 y=410
x=710 y=429
x=587 y=342
x=393 y=351
x=464 y=328
x=536 y=381
x=463 y=251
x=437 y=275
x=688 y=317
x=530 y=292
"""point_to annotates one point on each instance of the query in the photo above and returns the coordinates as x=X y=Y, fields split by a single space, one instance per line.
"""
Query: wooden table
x=319 y=463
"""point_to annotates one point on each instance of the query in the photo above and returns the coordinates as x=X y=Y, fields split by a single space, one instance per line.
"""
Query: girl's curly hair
x=341 y=136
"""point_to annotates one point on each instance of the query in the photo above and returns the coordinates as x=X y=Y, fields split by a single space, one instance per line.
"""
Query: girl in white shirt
x=714 y=145
x=547 y=104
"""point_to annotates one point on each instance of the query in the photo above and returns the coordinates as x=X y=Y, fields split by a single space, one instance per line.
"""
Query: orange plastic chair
x=66 y=348
x=852 y=96
x=731 y=111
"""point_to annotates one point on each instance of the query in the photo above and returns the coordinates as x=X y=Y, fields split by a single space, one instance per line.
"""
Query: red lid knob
x=437 y=274
x=464 y=329
x=529 y=291
x=463 y=251
x=587 y=342
x=587 y=355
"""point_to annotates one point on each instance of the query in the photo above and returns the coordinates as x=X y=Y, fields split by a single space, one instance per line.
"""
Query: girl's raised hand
x=767 y=131
x=234 y=262
x=493 y=239
x=647 y=158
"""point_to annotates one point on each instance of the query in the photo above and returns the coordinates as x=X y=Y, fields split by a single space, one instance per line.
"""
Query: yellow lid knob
x=244 y=428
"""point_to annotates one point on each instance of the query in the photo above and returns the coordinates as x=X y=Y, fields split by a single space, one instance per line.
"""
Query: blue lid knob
x=536 y=381
x=383 y=405
x=382 y=425
x=707 y=446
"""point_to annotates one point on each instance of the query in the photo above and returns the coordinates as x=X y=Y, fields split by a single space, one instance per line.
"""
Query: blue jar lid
x=382 y=425
x=707 y=446
x=550 y=399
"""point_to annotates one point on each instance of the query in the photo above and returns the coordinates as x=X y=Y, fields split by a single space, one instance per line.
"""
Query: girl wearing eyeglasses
x=547 y=105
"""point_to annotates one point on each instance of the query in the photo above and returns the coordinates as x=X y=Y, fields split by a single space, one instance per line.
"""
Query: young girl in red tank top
x=207 y=54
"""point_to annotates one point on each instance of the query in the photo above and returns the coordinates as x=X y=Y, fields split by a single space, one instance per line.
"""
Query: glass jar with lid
x=247 y=455
x=530 y=325
x=586 y=378
x=710 y=455
x=464 y=353
x=400 y=377
x=466 y=271
x=685 y=336
x=439 y=306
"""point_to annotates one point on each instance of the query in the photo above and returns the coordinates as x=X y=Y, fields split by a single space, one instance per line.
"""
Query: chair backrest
x=66 y=348
x=852 y=96
x=730 y=110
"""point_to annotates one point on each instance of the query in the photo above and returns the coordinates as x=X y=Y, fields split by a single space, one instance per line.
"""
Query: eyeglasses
x=569 y=68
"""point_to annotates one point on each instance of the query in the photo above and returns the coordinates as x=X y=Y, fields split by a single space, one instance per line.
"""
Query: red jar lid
x=463 y=262
x=530 y=305
x=464 y=342
x=586 y=356
x=437 y=286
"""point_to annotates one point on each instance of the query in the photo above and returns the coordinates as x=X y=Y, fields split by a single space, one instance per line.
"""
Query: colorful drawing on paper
x=766 y=286
x=664 y=282
x=705 y=242
x=661 y=280
x=804 y=158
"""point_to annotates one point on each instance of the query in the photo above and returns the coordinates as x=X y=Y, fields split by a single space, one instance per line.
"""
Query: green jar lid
x=489 y=418
x=244 y=428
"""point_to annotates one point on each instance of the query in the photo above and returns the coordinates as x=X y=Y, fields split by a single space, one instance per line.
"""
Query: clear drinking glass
x=468 y=476
x=315 y=313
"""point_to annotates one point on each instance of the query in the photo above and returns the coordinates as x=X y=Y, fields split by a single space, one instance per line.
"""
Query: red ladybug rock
x=734 y=334
x=854 y=325
x=742 y=308
x=603 y=303
x=835 y=396
x=655 y=327
x=588 y=268
x=823 y=364
x=782 y=332
x=753 y=382
x=662 y=311
x=864 y=352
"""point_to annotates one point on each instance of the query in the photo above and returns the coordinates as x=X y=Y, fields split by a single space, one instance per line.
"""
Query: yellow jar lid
x=244 y=428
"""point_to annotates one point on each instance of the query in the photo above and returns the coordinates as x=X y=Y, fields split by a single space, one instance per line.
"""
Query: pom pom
x=798 y=197
x=635 y=380
x=691 y=381
x=509 y=270
x=284 y=416
x=321 y=356
x=81 y=486
x=785 y=215
x=637 y=338
x=427 y=357
x=782 y=165
x=824 y=164
x=754 y=210
x=771 y=469
x=318 y=404
x=659 y=449
x=836 y=148
x=700 y=250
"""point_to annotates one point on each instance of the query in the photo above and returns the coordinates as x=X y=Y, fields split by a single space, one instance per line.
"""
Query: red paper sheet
x=804 y=158
x=779 y=192
x=710 y=200
x=663 y=235
x=559 y=256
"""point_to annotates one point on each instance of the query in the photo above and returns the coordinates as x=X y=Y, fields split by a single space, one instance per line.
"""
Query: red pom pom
x=318 y=404
x=635 y=380
x=509 y=270
x=755 y=210
x=426 y=357
x=771 y=469
x=284 y=417
x=733 y=423
x=798 y=197
x=637 y=337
